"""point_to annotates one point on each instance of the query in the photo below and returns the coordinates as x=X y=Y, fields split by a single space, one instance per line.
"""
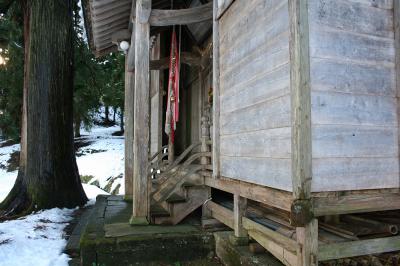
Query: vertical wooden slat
x=128 y=110
x=216 y=103
x=141 y=114
x=131 y=52
x=396 y=18
x=307 y=236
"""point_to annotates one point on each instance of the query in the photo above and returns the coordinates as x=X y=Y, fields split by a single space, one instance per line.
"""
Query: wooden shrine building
x=289 y=125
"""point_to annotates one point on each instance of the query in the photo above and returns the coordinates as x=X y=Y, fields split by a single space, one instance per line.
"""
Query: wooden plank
x=350 y=16
x=216 y=100
x=352 y=78
x=266 y=85
x=223 y=5
x=187 y=58
x=164 y=17
x=334 y=44
x=285 y=256
x=272 y=197
x=268 y=114
x=356 y=203
x=340 y=174
x=156 y=95
x=220 y=213
x=270 y=143
x=284 y=241
x=121 y=35
x=358 y=248
x=141 y=204
x=346 y=141
x=301 y=99
x=352 y=109
x=239 y=211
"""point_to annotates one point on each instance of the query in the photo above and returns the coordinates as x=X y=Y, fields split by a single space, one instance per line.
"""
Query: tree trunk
x=77 y=127
x=122 y=121
x=115 y=112
x=50 y=175
x=107 y=114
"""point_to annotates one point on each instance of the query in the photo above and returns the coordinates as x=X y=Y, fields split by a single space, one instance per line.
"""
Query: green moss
x=86 y=178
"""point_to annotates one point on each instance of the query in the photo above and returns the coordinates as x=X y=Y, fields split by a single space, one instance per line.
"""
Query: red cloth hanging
x=172 y=116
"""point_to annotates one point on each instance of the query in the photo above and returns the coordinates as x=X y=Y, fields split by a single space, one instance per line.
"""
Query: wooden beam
x=269 y=196
x=186 y=58
x=358 y=248
x=222 y=214
x=223 y=5
x=141 y=182
x=356 y=204
x=216 y=103
x=164 y=17
x=128 y=132
x=300 y=89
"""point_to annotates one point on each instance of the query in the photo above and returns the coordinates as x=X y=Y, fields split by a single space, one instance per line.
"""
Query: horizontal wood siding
x=255 y=129
x=354 y=106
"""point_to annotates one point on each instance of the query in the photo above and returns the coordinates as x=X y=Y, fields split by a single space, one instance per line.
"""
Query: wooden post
x=307 y=225
x=156 y=103
x=216 y=104
x=141 y=204
x=396 y=18
x=240 y=236
x=129 y=107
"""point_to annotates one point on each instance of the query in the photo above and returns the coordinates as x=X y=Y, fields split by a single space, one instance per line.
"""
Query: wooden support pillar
x=301 y=211
x=240 y=236
x=216 y=103
x=141 y=181
x=128 y=110
x=156 y=94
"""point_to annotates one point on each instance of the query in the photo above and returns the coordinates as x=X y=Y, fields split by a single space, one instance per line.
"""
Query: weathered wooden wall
x=353 y=95
x=255 y=122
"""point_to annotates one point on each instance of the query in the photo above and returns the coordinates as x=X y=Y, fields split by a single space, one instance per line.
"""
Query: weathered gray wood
x=334 y=174
x=239 y=212
x=268 y=114
x=141 y=204
x=131 y=53
x=267 y=195
x=128 y=131
x=156 y=109
x=352 y=78
x=334 y=44
x=359 y=248
x=271 y=172
x=216 y=90
x=353 y=17
x=270 y=143
x=187 y=58
x=121 y=35
x=161 y=17
x=396 y=18
x=265 y=86
x=300 y=99
x=356 y=203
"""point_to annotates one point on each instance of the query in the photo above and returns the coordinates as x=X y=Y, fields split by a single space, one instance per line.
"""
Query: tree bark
x=121 y=125
x=107 y=114
x=49 y=177
x=77 y=127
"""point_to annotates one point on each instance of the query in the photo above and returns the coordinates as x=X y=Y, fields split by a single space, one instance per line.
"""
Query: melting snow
x=38 y=239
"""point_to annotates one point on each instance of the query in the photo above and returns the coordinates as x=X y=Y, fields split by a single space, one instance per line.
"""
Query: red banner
x=172 y=116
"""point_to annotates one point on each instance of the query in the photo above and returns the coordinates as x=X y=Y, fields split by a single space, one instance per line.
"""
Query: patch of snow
x=37 y=239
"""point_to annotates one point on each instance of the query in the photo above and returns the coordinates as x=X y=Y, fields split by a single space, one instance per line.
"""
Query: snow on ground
x=38 y=239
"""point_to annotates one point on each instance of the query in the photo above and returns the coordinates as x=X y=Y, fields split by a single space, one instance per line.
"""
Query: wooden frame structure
x=304 y=206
